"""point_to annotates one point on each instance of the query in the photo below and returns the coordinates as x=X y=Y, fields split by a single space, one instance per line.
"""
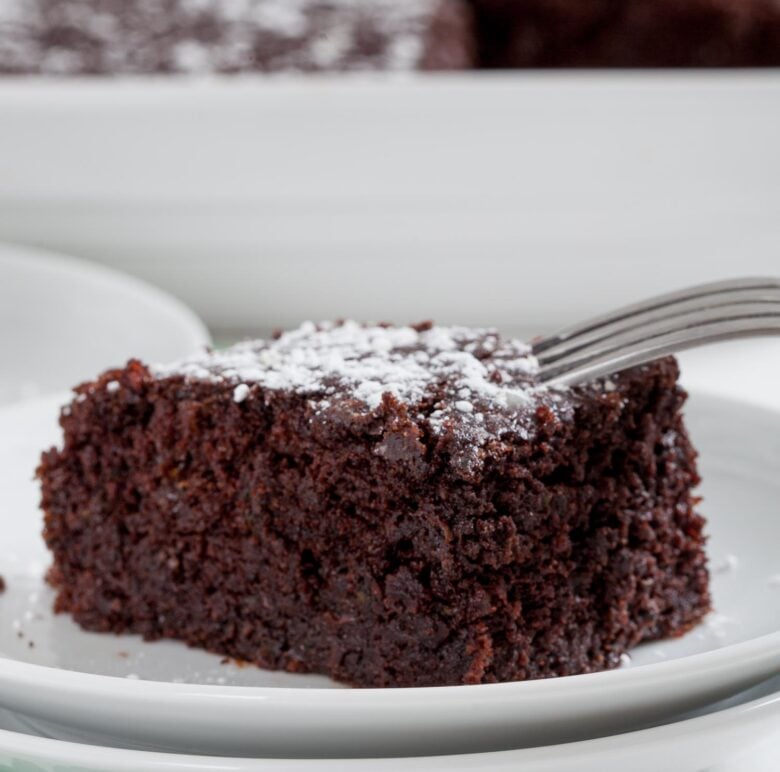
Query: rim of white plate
x=728 y=719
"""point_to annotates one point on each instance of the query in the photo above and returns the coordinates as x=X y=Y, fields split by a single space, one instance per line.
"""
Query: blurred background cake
x=228 y=36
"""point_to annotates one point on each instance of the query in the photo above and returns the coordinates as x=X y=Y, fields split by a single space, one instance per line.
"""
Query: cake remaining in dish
x=100 y=37
x=95 y=37
x=629 y=33
x=391 y=506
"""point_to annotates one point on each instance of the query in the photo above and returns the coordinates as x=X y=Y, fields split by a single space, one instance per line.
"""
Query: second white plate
x=62 y=320
x=121 y=691
x=734 y=737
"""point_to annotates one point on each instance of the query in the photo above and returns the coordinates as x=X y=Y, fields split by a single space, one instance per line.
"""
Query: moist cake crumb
x=390 y=506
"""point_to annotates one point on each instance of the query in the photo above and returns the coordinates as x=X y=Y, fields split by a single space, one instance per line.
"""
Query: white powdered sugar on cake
x=477 y=370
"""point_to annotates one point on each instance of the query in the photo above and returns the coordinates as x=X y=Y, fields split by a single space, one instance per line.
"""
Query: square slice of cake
x=391 y=506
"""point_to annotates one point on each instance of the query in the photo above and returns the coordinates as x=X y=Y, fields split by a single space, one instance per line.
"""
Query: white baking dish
x=477 y=197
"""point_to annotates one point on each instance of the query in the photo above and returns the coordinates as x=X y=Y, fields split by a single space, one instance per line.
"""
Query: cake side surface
x=459 y=526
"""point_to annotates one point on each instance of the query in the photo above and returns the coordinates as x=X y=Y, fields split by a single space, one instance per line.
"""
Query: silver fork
x=665 y=324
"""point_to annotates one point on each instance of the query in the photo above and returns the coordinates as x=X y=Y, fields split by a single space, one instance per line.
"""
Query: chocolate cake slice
x=92 y=37
x=391 y=506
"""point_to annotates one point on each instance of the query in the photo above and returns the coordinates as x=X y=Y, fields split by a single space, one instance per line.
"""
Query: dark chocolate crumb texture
x=391 y=506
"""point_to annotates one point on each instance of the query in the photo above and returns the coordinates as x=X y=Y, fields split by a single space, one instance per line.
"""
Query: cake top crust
x=423 y=393
x=470 y=385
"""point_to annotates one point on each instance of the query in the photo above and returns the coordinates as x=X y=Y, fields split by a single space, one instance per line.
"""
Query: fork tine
x=722 y=302
x=658 y=303
x=691 y=320
x=653 y=343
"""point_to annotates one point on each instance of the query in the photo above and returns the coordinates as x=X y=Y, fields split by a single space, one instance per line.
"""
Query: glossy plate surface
x=164 y=696
x=63 y=320
x=739 y=737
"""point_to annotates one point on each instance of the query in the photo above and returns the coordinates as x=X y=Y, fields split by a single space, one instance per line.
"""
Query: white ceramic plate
x=733 y=739
x=63 y=320
x=466 y=198
x=70 y=684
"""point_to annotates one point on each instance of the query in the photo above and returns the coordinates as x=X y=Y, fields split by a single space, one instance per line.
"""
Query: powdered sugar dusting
x=720 y=625
x=728 y=564
x=240 y=393
x=465 y=377
x=373 y=361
